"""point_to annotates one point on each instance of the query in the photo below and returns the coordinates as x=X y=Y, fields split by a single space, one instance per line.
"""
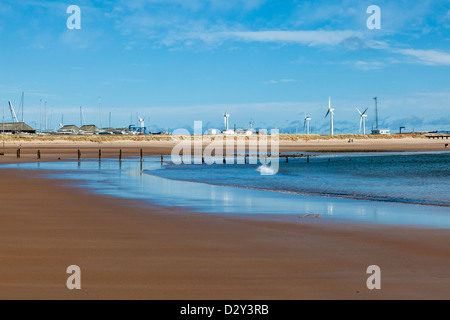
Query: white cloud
x=368 y=65
x=14 y=92
x=213 y=38
x=126 y=80
x=195 y=25
x=288 y=80
x=196 y=5
x=235 y=4
x=310 y=38
x=280 y=81
x=429 y=57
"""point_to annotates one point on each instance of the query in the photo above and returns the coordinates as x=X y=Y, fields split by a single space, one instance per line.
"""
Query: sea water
x=394 y=177
x=392 y=189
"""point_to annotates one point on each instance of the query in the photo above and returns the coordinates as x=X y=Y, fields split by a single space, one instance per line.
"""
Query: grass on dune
x=117 y=138
x=293 y=137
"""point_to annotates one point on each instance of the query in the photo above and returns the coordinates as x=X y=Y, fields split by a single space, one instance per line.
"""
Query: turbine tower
x=226 y=118
x=81 y=116
x=362 y=123
x=306 y=125
x=331 y=113
x=376 y=114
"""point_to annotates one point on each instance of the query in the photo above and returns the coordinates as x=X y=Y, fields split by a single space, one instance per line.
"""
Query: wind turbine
x=362 y=123
x=331 y=111
x=306 y=125
x=141 y=122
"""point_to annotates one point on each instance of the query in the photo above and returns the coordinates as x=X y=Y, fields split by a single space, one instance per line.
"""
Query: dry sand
x=367 y=145
x=131 y=250
x=64 y=149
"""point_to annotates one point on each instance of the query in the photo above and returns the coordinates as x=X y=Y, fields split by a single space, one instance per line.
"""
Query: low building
x=229 y=132
x=381 y=132
x=69 y=129
x=247 y=132
x=212 y=132
x=17 y=127
x=91 y=128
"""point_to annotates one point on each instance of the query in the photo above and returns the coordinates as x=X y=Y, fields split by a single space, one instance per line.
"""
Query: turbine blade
x=359 y=112
x=329 y=110
x=365 y=111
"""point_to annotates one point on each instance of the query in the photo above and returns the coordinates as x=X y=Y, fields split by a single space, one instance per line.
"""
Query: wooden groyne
x=443 y=136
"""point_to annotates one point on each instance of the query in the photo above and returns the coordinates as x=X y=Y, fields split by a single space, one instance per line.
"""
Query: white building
x=382 y=132
x=212 y=132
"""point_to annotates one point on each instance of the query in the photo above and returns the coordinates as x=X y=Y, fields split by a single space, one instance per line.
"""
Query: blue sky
x=178 y=61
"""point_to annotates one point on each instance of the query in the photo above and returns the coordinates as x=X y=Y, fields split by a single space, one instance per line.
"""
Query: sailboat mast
x=45 y=116
x=40 y=116
x=100 y=109
x=23 y=105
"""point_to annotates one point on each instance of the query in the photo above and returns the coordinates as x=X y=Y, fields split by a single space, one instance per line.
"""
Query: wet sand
x=131 y=250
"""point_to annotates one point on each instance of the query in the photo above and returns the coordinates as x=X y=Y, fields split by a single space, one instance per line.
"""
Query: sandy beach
x=132 y=250
x=66 y=149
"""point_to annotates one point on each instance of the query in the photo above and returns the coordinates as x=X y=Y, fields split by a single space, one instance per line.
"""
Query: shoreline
x=48 y=225
x=265 y=202
x=326 y=196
